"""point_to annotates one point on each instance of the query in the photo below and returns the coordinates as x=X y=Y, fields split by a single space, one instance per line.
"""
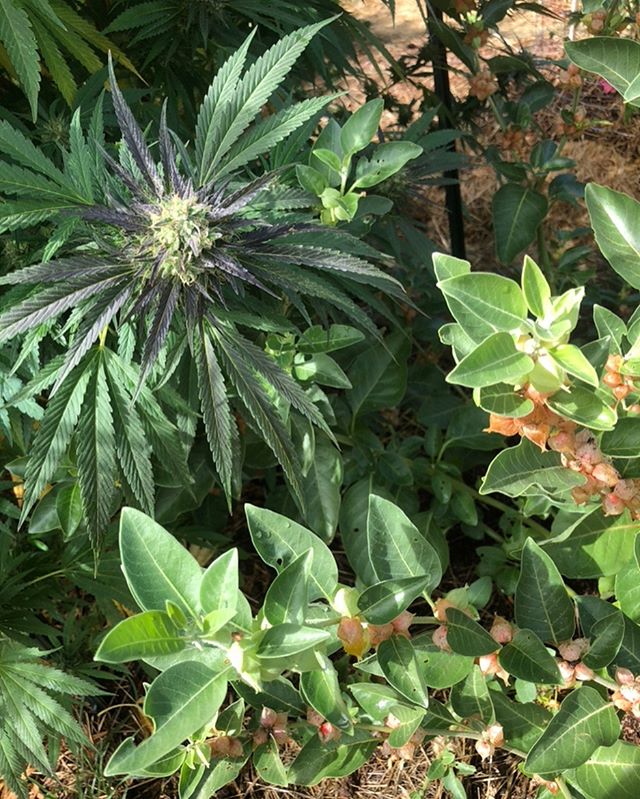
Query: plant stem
x=543 y=256
x=495 y=503
x=564 y=788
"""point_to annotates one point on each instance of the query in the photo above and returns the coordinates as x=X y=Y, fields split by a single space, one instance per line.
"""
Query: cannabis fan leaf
x=29 y=712
x=183 y=249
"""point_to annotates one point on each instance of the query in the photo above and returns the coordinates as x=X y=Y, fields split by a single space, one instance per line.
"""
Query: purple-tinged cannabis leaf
x=181 y=246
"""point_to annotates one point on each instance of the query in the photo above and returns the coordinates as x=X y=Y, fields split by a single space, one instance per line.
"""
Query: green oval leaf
x=495 y=360
x=527 y=658
x=148 y=634
x=542 y=603
x=467 y=637
x=517 y=213
x=156 y=566
x=385 y=601
x=321 y=689
x=279 y=541
x=584 y=722
x=401 y=667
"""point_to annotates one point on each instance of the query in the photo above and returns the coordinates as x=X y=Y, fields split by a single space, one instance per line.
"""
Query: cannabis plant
x=33 y=34
x=179 y=255
x=30 y=712
x=179 y=40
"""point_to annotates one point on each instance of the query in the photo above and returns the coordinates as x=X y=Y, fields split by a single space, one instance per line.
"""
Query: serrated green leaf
x=55 y=433
x=16 y=34
x=132 y=447
x=96 y=449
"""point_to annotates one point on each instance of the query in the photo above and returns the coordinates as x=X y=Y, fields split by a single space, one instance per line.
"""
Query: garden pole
x=453 y=198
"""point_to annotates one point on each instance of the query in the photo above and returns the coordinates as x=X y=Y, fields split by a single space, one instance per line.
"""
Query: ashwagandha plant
x=537 y=385
x=182 y=254
x=335 y=671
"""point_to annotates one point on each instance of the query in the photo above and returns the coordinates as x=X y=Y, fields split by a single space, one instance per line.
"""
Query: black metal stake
x=453 y=197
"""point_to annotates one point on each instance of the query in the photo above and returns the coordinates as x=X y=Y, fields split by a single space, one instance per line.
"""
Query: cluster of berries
x=620 y=385
x=627 y=695
x=538 y=426
x=569 y=78
x=578 y=449
x=482 y=85
x=518 y=141
x=595 y=22
x=358 y=637
x=581 y=453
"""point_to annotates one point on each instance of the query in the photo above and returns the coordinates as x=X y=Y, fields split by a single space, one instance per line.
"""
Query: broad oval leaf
x=517 y=213
x=288 y=595
x=471 y=698
x=612 y=772
x=624 y=440
x=597 y=547
x=584 y=722
x=320 y=688
x=147 y=634
x=219 y=586
x=156 y=566
x=181 y=700
x=385 y=601
x=495 y=360
x=524 y=469
x=268 y=764
x=279 y=541
x=391 y=547
x=616 y=60
x=483 y=303
x=542 y=603
x=286 y=640
x=527 y=658
x=614 y=220
x=467 y=637
x=522 y=723
x=402 y=668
